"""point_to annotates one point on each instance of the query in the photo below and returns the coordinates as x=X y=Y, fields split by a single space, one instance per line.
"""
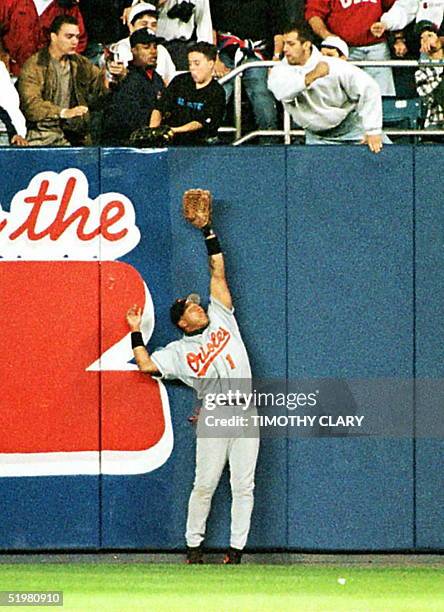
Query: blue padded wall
x=334 y=259
x=429 y=265
x=350 y=279
x=249 y=214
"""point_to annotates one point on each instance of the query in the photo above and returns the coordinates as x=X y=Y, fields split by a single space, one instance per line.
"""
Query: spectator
x=180 y=22
x=248 y=32
x=425 y=10
x=403 y=46
x=10 y=113
x=333 y=46
x=430 y=12
x=25 y=28
x=194 y=103
x=429 y=79
x=130 y=105
x=358 y=24
x=57 y=87
x=334 y=101
x=144 y=15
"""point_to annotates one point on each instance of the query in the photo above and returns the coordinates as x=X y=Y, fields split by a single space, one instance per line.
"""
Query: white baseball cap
x=336 y=43
x=142 y=7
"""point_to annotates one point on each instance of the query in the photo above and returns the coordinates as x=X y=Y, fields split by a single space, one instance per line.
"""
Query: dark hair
x=425 y=26
x=142 y=37
x=177 y=310
x=142 y=14
x=60 y=20
x=303 y=30
x=205 y=48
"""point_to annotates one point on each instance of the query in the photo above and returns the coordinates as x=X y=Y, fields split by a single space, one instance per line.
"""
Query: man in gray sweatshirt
x=334 y=101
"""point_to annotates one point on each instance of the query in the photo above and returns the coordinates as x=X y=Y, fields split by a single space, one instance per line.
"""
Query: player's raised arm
x=197 y=210
x=218 y=282
x=141 y=355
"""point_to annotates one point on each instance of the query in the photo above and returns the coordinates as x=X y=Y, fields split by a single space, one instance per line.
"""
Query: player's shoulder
x=171 y=347
x=216 y=307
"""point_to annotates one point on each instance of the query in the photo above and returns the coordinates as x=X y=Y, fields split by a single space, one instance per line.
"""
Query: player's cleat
x=194 y=555
x=233 y=557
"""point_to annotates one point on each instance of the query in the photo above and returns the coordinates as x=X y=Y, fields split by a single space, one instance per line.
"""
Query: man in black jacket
x=136 y=95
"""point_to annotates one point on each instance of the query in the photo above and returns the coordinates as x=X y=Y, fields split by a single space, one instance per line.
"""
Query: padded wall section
x=49 y=402
x=249 y=215
x=331 y=277
x=350 y=318
x=139 y=487
x=429 y=263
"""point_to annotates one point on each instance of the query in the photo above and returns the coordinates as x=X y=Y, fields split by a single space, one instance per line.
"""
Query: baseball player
x=210 y=354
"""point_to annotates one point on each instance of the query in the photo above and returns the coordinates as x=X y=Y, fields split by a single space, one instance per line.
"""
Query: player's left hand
x=377 y=29
x=373 y=141
x=134 y=318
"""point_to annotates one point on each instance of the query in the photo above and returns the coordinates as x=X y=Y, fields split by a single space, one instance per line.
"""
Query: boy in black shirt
x=193 y=105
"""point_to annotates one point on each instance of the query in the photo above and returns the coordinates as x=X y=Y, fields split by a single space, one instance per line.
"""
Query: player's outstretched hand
x=134 y=318
x=373 y=141
x=197 y=207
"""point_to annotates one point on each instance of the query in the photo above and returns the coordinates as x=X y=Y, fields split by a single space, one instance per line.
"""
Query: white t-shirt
x=9 y=100
x=41 y=5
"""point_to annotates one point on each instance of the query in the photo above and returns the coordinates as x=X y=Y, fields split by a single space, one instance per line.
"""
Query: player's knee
x=204 y=490
x=242 y=489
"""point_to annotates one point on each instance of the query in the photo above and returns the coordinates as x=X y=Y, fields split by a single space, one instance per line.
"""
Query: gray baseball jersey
x=211 y=361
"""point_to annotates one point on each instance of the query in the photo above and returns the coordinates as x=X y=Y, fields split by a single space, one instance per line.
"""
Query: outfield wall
x=335 y=260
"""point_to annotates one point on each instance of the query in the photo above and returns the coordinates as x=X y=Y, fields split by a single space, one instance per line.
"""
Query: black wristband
x=212 y=244
x=207 y=231
x=137 y=340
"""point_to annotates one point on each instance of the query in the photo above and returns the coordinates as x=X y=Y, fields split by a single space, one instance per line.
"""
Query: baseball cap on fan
x=142 y=37
x=334 y=42
x=178 y=307
x=142 y=7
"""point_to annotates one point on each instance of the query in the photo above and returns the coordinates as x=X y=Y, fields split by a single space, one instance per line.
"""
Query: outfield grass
x=305 y=588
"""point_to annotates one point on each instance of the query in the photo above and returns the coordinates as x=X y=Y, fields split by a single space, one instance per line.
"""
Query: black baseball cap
x=142 y=37
x=425 y=26
x=178 y=307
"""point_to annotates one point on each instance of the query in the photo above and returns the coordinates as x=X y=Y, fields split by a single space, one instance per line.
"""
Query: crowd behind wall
x=101 y=26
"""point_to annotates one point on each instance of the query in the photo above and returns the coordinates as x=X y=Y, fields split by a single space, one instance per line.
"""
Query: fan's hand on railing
x=373 y=141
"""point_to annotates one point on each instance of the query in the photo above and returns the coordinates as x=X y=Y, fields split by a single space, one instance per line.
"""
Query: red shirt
x=349 y=19
x=25 y=32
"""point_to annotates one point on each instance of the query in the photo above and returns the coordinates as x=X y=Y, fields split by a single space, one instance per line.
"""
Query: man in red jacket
x=352 y=21
x=25 y=25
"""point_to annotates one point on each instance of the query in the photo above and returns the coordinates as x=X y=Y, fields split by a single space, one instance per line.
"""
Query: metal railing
x=287 y=133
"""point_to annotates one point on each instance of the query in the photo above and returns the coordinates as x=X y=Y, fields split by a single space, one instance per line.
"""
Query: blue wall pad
x=429 y=262
x=350 y=279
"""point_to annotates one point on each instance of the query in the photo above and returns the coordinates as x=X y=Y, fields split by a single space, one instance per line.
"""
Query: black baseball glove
x=148 y=137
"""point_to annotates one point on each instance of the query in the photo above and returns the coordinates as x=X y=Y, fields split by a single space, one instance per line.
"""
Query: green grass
x=305 y=588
